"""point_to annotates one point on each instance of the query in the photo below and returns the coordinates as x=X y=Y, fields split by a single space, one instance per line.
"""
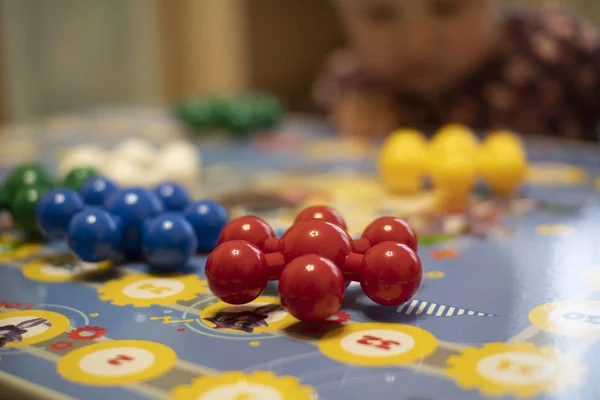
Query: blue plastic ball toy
x=94 y=235
x=133 y=206
x=55 y=210
x=96 y=190
x=208 y=219
x=169 y=242
x=175 y=197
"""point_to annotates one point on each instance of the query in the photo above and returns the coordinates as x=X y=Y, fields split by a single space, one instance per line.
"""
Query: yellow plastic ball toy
x=502 y=162
x=453 y=177
x=402 y=161
x=506 y=140
x=454 y=137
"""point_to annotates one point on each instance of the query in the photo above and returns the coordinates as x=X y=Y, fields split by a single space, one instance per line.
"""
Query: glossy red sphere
x=249 y=228
x=316 y=237
x=237 y=272
x=311 y=288
x=323 y=213
x=391 y=273
x=391 y=229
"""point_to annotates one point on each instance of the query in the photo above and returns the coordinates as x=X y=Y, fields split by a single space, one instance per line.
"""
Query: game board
x=509 y=306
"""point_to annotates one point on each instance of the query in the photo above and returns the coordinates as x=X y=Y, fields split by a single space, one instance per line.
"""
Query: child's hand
x=365 y=114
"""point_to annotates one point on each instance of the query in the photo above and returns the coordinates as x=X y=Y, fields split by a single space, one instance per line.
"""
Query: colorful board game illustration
x=508 y=307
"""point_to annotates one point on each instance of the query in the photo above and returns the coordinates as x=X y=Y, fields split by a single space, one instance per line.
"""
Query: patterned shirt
x=544 y=79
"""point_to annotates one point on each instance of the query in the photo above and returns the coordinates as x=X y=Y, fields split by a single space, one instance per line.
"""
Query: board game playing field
x=509 y=306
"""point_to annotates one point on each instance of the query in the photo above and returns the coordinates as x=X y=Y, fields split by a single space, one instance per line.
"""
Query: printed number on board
x=118 y=360
x=154 y=289
x=519 y=368
x=575 y=316
x=245 y=396
x=168 y=320
x=378 y=342
x=23 y=306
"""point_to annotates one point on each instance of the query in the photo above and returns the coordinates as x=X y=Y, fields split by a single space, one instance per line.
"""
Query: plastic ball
x=454 y=173
x=136 y=150
x=403 y=161
x=77 y=177
x=505 y=138
x=391 y=273
x=249 y=228
x=94 y=235
x=323 y=213
x=174 y=196
x=26 y=175
x=55 y=210
x=454 y=137
x=502 y=162
x=97 y=189
x=316 y=237
x=81 y=156
x=311 y=288
x=169 y=242
x=4 y=199
x=237 y=272
x=133 y=206
x=208 y=219
x=391 y=229
x=23 y=207
x=197 y=113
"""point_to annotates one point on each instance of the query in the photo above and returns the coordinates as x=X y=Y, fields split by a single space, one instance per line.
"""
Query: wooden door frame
x=204 y=46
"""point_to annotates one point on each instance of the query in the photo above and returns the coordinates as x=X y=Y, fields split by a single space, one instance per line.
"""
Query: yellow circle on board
x=517 y=369
x=148 y=290
x=575 y=318
x=554 y=230
x=42 y=270
x=237 y=385
x=347 y=148
x=94 y=314
x=554 y=174
x=377 y=344
x=117 y=362
x=36 y=334
x=20 y=252
x=434 y=274
x=223 y=312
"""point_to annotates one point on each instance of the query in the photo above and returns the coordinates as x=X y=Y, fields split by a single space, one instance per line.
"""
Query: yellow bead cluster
x=453 y=159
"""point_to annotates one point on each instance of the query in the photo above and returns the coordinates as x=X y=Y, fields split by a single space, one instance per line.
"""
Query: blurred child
x=424 y=63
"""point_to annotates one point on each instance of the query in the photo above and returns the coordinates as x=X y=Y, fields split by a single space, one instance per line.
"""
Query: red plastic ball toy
x=322 y=213
x=249 y=228
x=237 y=272
x=314 y=261
x=311 y=288
x=316 y=237
x=391 y=229
x=391 y=273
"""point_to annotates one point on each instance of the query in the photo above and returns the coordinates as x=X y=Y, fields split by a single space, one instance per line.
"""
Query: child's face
x=420 y=45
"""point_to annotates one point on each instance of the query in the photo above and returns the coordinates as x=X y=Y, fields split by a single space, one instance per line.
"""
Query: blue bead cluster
x=103 y=221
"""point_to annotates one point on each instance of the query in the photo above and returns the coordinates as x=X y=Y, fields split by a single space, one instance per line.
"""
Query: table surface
x=509 y=306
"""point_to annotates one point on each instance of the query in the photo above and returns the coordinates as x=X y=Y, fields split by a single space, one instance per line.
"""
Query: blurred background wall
x=63 y=55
